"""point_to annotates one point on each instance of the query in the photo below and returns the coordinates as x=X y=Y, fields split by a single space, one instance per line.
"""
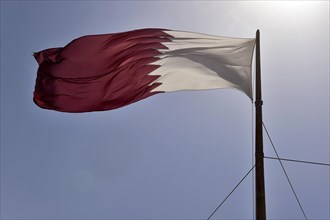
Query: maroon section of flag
x=99 y=72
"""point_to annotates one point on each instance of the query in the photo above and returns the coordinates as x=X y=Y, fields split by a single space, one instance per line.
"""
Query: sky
x=174 y=155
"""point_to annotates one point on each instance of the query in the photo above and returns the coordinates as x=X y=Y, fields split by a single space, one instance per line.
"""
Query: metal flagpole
x=259 y=153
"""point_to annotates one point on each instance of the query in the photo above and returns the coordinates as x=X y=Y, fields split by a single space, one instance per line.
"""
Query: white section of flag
x=196 y=61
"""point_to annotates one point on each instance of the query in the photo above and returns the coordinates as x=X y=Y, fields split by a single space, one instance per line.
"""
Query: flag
x=108 y=71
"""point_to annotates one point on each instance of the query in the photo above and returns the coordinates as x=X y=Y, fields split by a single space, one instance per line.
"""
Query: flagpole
x=259 y=154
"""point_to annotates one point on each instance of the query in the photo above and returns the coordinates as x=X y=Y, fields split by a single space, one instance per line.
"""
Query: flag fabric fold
x=108 y=71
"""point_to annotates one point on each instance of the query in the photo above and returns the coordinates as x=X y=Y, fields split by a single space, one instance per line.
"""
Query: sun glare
x=296 y=7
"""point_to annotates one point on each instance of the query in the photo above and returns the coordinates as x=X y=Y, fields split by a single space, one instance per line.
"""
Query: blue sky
x=175 y=155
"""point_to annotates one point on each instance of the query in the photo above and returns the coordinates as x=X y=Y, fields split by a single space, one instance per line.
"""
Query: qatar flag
x=108 y=71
